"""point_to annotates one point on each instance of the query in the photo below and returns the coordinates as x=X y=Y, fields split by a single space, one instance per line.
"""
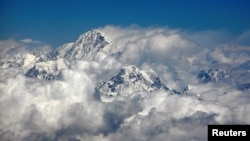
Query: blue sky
x=59 y=21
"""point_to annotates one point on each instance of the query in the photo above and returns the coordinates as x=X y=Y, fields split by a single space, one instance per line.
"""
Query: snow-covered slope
x=46 y=70
x=130 y=80
x=86 y=47
x=235 y=76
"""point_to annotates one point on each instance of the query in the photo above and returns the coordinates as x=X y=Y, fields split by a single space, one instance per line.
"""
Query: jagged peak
x=146 y=75
x=85 y=47
x=129 y=69
x=93 y=36
x=130 y=80
x=131 y=72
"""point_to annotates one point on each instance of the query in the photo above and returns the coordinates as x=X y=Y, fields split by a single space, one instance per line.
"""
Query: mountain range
x=47 y=65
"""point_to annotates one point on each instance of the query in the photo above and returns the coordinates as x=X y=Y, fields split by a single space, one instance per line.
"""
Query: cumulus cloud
x=150 y=44
x=67 y=109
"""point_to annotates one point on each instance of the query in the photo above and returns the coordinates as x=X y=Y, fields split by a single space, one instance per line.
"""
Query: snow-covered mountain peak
x=132 y=73
x=93 y=36
x=87 y=46
x=130 y=80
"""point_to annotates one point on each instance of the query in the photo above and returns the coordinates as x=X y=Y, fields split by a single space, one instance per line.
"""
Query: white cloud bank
x=66 y=109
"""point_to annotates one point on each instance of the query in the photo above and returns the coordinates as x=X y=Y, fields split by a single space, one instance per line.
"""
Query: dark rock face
x=212 y=75
x=43 y=75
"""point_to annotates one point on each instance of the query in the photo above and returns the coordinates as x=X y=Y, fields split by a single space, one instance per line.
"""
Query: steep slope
x=130 y=80
x=86 y=47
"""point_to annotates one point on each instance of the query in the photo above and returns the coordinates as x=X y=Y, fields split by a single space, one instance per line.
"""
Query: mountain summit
x=130 y=80
x=86 y=47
